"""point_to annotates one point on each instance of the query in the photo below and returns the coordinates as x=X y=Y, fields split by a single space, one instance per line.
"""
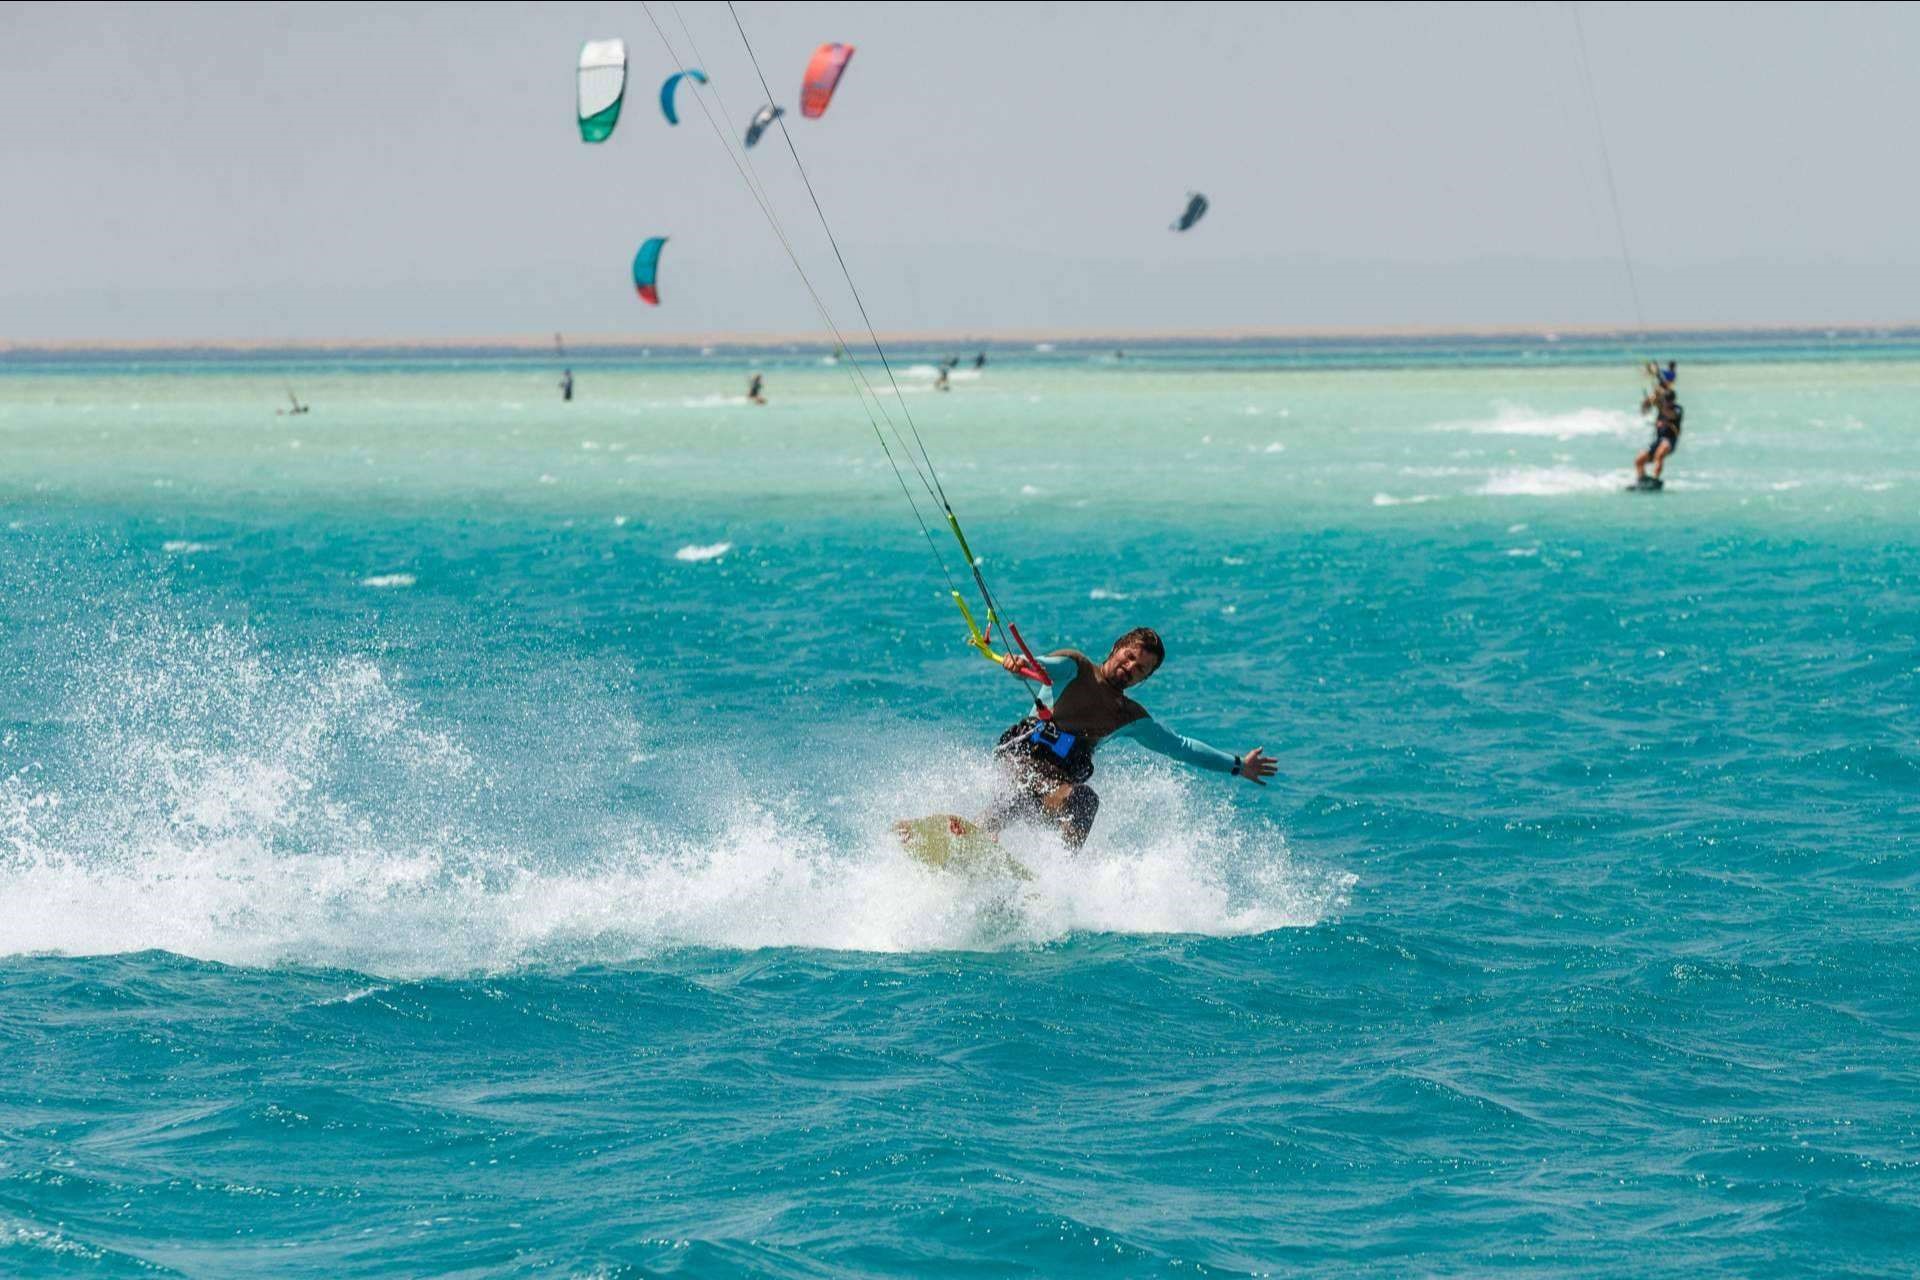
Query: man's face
x=1129 y=664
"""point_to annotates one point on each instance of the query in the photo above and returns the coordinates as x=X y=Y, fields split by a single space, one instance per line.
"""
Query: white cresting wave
x=228 y=809
x=1519 y=420
x=1523 y=421
x=929 y=372
x=1552 y=482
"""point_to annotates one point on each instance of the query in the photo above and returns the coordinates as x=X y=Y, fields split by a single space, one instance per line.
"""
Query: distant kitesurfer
x=980 y=361
x=753 y=389
x=1664 y=405
x=1048 y=761
x=566 y=385
x=941 y=382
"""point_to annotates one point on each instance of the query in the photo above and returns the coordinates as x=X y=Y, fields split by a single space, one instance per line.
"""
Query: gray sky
x=402 y=170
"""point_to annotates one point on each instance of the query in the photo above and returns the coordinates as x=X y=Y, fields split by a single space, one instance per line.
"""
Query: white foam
x=1518 y=420
x=223 y=882
x=1102 y=593
x=388 y=580
x=713 y=400
x=1548 y=482
x=236 y=811
x=929 y=372
x=1414 y=500
x=182 y=547
x=695 y=554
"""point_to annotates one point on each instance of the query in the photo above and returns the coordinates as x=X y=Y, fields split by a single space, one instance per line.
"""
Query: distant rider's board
x=948 y=842
x=1647 y=484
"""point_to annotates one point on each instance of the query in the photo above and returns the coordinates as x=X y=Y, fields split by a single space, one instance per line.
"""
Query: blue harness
x=1053 y=738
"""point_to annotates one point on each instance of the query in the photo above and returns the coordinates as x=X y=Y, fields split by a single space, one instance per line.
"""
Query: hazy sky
x=395 y=170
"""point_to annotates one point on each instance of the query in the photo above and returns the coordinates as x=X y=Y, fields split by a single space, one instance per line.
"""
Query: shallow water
x=446 y=832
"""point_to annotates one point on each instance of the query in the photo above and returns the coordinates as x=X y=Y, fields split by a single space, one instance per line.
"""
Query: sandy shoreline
x=910 y=338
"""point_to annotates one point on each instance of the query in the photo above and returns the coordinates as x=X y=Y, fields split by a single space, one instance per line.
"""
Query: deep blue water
x=447 y=833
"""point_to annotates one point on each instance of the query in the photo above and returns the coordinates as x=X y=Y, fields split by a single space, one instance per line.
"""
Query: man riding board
x=1048 y=759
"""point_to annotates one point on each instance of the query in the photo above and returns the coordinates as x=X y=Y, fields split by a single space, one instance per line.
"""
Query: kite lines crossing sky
x=824 y=74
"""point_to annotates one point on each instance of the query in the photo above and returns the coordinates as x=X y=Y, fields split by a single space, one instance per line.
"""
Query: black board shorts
x=1038 y=767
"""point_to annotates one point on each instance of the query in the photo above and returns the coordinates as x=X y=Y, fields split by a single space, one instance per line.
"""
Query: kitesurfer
x=566 y=384
x=980 y=361
x=941 y=382
x=1048 y=761
x=1664 y=405
x=753 y=389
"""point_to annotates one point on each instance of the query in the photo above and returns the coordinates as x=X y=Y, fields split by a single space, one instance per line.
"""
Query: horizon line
x=909 y=337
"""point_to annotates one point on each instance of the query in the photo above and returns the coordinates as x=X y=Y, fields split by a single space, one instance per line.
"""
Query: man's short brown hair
x=1147 y=638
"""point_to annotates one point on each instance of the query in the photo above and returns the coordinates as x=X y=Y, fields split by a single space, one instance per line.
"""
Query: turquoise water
x=446 y=833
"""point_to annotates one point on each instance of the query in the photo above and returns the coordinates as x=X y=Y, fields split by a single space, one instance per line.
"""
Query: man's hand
x=1013 y=662
x=1257 y=766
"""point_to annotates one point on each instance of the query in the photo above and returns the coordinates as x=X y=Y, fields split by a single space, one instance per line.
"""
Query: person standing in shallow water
x=1047 y=763
x=566 y=385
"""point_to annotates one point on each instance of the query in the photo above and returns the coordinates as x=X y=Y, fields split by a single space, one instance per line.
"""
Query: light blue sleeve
x=1154 y=736
x=1059 y=668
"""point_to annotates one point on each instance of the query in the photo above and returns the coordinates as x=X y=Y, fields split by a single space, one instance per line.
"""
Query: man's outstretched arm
x=1156 y=737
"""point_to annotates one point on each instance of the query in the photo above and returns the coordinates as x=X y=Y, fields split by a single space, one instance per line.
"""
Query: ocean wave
x=695 y=554
x=234 y=810
x=928 y=372
x=388 y=580
x=1518 y=420
x=1548 y=482
x=239 y=895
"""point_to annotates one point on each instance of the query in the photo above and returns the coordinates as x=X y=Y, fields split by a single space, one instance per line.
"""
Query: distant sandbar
x=922 y=338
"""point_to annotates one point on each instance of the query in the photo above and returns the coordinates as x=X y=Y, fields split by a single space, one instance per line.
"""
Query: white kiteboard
x=948 y=842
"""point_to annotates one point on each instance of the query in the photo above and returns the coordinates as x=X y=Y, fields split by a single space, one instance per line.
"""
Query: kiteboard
x=948 y=842
x=1647 y=484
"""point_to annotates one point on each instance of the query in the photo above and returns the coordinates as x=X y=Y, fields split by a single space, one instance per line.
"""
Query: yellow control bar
x=976 y=639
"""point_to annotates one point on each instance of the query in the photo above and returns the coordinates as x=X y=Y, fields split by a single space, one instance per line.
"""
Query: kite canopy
x=646 y=264
x=1196 y=209
x=673 y=82
x=602 y=85
x=823 y=77
x=761 y=119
